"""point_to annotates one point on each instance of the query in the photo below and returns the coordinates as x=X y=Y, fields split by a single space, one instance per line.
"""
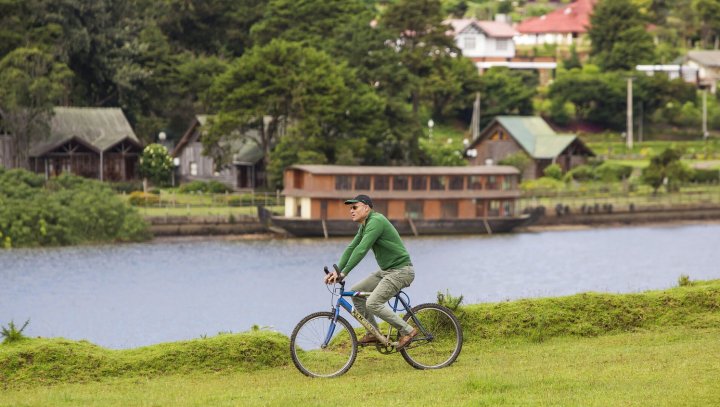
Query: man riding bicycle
x=396 y=271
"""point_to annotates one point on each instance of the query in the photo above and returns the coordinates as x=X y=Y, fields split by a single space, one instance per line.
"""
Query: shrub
x=201 y=187
x=66 y=210
x=542 y=184
x=684 y=280
x=553 y=171
x=449 y=301
x=610 y=172
x=139 y=198
x=12 y=334
x=703 y=176
x=126 y=186
x=581 y=173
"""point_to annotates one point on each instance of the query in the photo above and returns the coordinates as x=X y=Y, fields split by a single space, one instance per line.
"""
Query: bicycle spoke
x=308 y=352
x=440 y=339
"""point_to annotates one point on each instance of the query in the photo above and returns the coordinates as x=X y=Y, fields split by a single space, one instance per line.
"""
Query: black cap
x=360 y=198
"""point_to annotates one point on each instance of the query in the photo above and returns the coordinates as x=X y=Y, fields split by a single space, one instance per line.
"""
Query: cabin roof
x=99 y=128
x=534 y=135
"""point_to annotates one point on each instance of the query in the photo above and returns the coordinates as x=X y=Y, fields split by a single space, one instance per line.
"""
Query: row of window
x=422 y=182
x=449 y=209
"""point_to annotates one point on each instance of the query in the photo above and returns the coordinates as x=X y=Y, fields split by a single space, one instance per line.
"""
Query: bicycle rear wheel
x=439 y=340
x=308 y=353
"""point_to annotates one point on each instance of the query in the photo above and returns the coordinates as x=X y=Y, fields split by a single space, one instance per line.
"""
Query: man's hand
x=333 y=277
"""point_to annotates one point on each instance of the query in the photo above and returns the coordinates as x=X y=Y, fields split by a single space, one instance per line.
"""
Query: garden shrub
x=553 y=171
x=66 y=210
x=126 y=186
x=610 y=172
x=139 y=198
x=542 y=184
x=581 y=173
x=704 y=176
x=202 y=187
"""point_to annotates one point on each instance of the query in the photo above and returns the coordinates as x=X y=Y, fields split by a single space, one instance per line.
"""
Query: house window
x=456 y=183
x=400 y=183
x=508 y=208
x=449 y=210
x=508 y=182
x=342 y=182
x=380 y=206
x=492 y=182
x=475 y=182
x=362 y=182
x=494 y=208
x=419 y=183
x=469 y=43
x=414 y=209
x=501 y=45
x=382 y=183
x=437 y=183
x=193 y=168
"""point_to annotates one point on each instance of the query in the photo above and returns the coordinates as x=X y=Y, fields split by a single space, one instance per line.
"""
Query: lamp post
x=176 y=165
x=704 y=115
x=629 y=114
x=431 y=124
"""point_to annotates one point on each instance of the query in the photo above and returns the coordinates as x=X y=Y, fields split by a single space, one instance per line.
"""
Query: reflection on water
x=131 y=295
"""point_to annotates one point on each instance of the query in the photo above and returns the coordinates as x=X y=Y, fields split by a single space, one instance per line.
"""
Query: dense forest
x=345 y=81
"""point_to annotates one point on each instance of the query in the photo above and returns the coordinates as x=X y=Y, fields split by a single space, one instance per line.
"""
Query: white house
x=483 y=39
x=708 y=65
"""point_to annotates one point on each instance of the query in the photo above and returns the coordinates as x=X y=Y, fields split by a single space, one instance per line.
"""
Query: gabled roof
x=98 y=128
x=244 y=150
x=706 y=58
x=495 y=29
x=573 y=18
x=533 y=134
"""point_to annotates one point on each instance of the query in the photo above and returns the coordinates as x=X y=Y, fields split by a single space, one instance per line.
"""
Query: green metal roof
x=535 y=136
x=99 y=128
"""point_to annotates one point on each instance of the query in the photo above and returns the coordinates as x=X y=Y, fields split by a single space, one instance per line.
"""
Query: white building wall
x=289 y=206
x=484 y=46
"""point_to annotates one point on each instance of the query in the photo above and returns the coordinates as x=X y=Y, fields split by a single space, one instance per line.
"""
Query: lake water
x=123 y=296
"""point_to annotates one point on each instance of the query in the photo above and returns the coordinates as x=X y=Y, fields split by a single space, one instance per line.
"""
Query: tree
x=285 y=87
x=211 y=27
x=709 y=13
x=504 y=92
x=666 y=169
x=519 y=160
x=619 y=39
x=156 y=164
x=31 y=83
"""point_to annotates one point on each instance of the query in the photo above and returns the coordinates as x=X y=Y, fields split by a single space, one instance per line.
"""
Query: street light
x=176 y=165
x=431 y=124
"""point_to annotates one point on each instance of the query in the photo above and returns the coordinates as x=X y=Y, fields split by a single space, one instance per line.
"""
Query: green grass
x=652 y=348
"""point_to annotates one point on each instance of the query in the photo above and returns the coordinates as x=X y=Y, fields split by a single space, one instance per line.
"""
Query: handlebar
x=340 y=275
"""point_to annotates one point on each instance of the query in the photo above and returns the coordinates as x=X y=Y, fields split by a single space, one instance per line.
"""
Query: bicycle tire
x=307 y=338
x=444 y=344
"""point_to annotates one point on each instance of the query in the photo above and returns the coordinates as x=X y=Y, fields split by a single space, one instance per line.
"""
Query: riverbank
x=223 y=228
x=651 y=348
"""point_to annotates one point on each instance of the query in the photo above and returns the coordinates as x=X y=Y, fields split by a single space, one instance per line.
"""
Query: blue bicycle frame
x=343 y=303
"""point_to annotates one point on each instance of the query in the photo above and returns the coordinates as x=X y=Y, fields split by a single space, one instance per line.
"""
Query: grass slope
x=652 y=348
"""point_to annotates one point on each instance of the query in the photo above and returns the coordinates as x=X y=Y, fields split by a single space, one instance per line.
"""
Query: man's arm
x=348 y=251
x=373 y=230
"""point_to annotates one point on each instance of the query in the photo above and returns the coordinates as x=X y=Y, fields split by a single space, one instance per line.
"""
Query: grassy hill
x=651 y=348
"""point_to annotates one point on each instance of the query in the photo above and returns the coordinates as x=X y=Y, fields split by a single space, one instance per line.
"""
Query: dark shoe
x=406 y=339
x=368 y=339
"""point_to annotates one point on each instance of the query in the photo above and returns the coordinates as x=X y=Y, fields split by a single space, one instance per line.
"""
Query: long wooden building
x=473 y=199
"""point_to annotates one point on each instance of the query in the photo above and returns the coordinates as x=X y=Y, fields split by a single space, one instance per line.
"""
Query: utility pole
x=629 y=114
x=704 y=123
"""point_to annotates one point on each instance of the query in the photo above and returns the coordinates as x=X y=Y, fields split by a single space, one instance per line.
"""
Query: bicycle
x=324 y=344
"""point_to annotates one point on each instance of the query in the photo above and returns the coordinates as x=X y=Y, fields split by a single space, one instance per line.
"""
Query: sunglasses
x=355 y=207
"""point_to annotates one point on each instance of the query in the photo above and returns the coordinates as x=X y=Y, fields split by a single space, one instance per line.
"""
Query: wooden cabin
x=422 y=193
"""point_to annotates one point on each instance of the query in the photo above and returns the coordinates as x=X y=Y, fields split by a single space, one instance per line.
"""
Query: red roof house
x=564 y=25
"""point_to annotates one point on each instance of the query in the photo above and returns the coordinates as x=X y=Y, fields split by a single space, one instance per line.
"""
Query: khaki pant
x=384 y=284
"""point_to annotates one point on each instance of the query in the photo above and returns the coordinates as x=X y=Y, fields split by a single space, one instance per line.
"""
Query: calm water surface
x=124 y=296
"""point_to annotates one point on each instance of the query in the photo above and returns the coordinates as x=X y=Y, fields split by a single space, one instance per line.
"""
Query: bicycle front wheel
x=307 y=348
x=439 y=339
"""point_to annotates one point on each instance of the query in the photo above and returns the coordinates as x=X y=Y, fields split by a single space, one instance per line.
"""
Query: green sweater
x=380 y=235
